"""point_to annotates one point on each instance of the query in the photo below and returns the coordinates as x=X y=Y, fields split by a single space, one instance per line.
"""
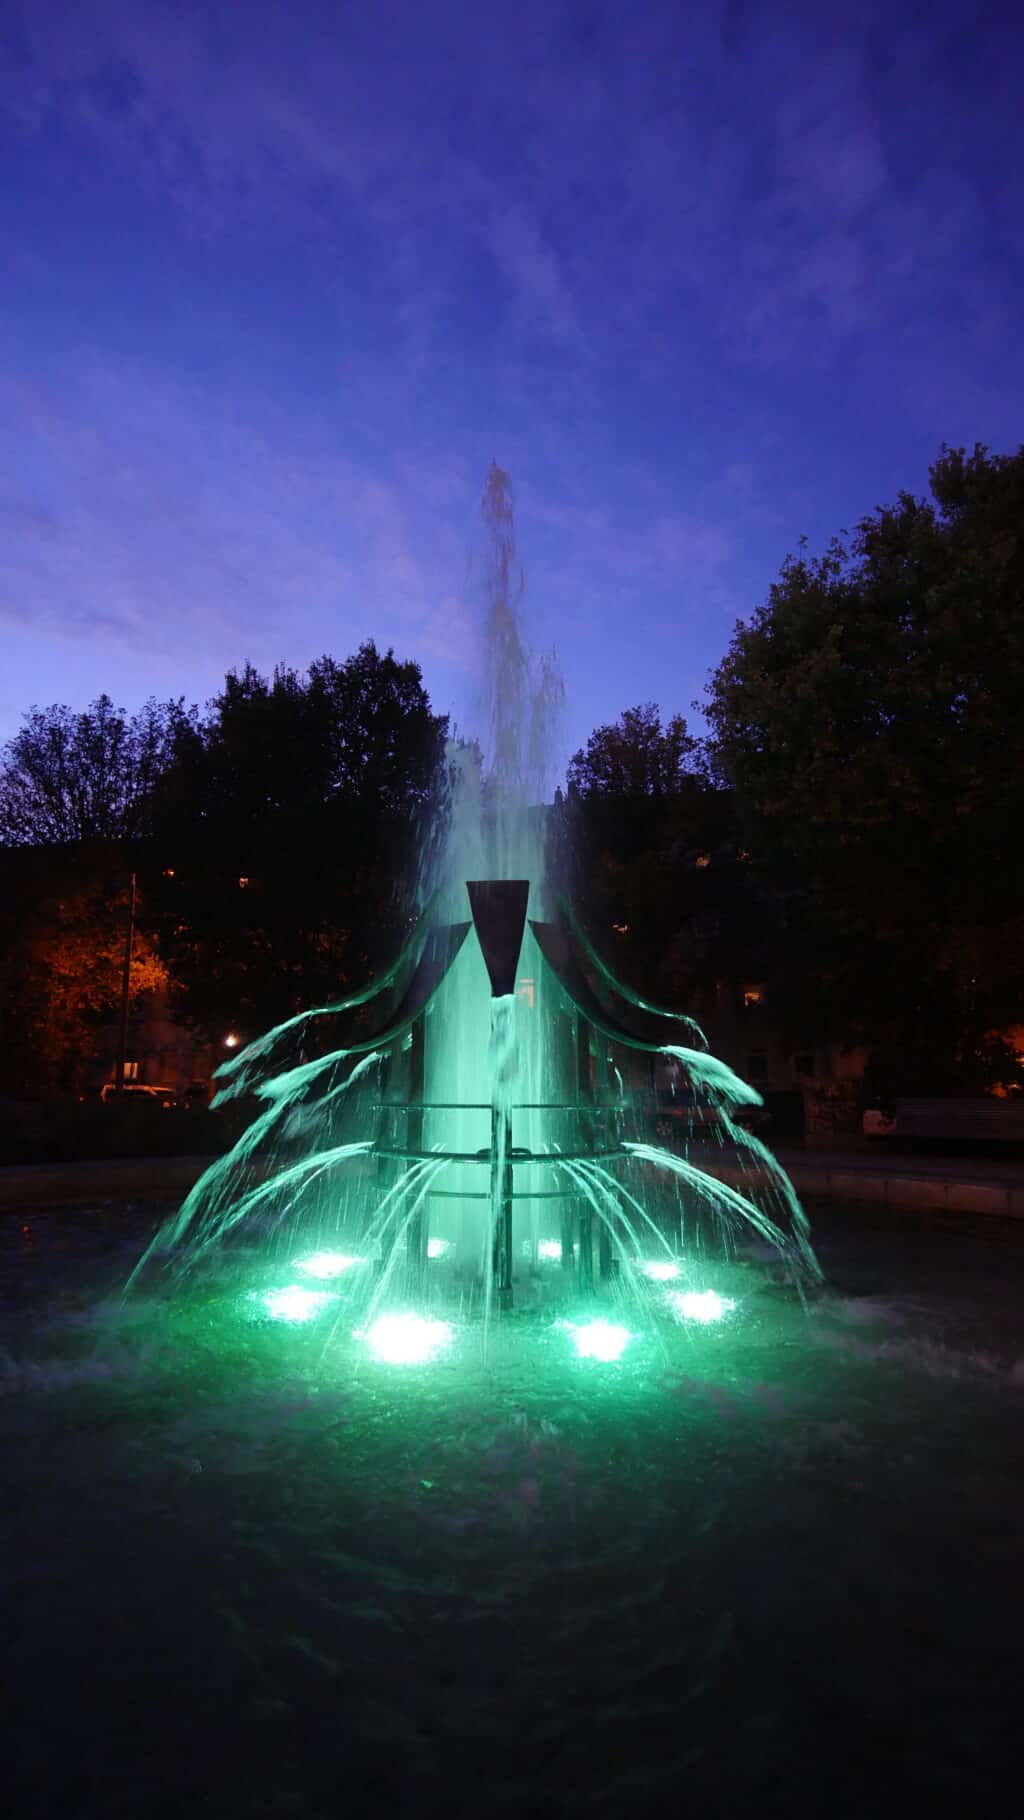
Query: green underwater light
x=603 y=1340
x=660 y=1270
x=326 y=1264
x=295 y=1303
x=703 y=1305
x=550 y=1251
x=407 y=1339
x=438 y=1248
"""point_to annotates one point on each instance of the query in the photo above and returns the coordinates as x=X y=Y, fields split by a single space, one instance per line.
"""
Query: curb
x=905 y=1193
x=38 y=1184
x=54 y=1184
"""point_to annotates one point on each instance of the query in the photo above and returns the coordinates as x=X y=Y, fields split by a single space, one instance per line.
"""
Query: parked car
x=163 y=1096
x=877 y=1123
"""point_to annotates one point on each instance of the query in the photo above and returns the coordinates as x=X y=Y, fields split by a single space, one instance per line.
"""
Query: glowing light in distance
x=295 y=1303
x=326 y=1264
x=438 y=1248
x=407 y=1339
x=550 y=1248
x=231 y=1040
x=702 y=1305
x=660 y=1270
x=604 y=1340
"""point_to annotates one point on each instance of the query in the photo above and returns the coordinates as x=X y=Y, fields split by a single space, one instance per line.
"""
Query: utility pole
x=126 y=978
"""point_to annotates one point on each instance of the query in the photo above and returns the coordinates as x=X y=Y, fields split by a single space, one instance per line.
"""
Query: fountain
x=477 y=1132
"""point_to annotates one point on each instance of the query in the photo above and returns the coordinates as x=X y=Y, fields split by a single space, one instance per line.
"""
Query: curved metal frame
x=498 y=909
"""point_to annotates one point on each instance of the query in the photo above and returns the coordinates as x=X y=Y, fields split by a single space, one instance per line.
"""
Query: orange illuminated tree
x=63 y=979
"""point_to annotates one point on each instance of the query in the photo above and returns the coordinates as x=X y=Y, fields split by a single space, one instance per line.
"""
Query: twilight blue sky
x=277 y=282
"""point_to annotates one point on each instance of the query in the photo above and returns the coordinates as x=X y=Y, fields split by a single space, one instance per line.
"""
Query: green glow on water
x=407 y=1339
x=550 y=1250
x=703 y=1305
x=660 y=1270
x=295 y=1303
x=604 y=1340
x=327 y=1264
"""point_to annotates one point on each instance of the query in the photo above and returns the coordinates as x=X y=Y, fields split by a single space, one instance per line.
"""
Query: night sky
x=278 y=281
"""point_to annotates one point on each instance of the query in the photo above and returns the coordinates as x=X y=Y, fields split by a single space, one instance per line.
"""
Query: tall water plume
x=497 y=830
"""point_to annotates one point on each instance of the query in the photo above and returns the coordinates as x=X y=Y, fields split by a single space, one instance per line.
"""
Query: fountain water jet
x=473 y=1119
x=544 y=1156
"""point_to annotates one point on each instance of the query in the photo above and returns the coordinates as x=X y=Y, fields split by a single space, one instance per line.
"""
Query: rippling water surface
x=771 y=1563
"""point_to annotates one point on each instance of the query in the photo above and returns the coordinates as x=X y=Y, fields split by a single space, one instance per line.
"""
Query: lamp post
x=126 y=979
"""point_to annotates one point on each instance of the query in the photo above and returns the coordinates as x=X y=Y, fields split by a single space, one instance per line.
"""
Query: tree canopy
x=635 y=756
x=87 y=776
x=646 y=845
x=288 y=831
x=277 y=838
x=63 y=919
x=868 y=719
x=848 y=833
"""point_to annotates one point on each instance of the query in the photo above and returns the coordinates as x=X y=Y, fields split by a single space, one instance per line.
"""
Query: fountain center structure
x=495 y=1100
x=482 y=1121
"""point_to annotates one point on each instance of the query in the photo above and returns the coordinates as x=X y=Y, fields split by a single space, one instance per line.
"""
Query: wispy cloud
x=747 y=168
x=172 y=519
x=612 y=247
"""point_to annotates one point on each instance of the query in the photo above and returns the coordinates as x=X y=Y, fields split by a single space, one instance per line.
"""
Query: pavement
x=110 y=1178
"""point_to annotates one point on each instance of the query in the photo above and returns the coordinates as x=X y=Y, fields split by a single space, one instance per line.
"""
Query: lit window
x=621 y=928
x=244 y=882
x=753 y=995
x=131 y=1071
x=168 y=871
x=702 y=860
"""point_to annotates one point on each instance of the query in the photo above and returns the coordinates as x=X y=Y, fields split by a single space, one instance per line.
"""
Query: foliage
x=635 y=757
x=82 y=777
x=867 y=718
x=646 y=845
x=63 y=931
x=288 y=832
x=277 y=840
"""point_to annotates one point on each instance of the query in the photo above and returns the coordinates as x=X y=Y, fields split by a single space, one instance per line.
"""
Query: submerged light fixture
x=603 y=1340
x=327 y=1264
x=703 y=1305
x=407 y=1339
x=295 y=1303
x=660 y=1270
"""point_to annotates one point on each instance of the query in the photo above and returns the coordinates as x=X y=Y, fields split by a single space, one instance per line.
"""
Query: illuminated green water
x=251 y=1567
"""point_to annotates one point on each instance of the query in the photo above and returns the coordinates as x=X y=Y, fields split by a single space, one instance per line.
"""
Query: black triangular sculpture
x=499 y=917
x=556 y=948
x=440 y=950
